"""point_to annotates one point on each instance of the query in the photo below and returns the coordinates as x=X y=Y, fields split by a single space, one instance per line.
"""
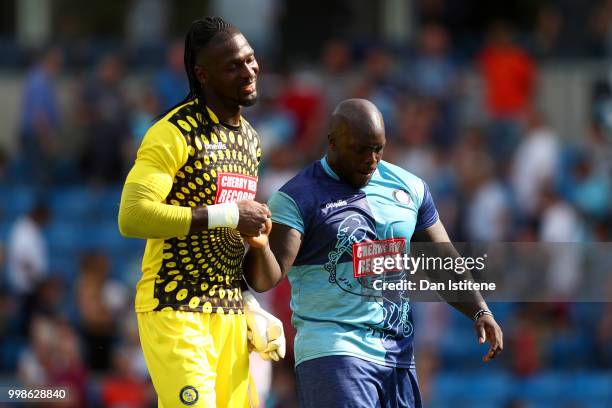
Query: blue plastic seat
x=72 y=204
x=595 y=386
x=490 y=387
x=548 y=386
x=17 y=201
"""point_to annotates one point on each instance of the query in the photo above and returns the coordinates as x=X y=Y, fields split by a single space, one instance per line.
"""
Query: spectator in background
x=27 y=253
x=39 y=123
x=535 y=164
x=509 y=78
x=35 y=360
x=106 y=127
x=546 y=37
x=524 y=342
x=257 y=20
x=416 y=121
x=561 y=226
x=100 y=302
x=434 y=78
x=171 y=83
x=601 y=121
x=281 y=167
x=601 y=29
x=337 y=74
x=478 y=191
x=302 y=99
x=433 y=74
x=47 y=300
x=53 y=359
x=379 y=84
x=68 y=370
x=124 y=388
x=130 y=344
x=276 y=126
x=147 y=21
x=4 y=166
x=147 y=108
x=488 y=214
x=588 y=185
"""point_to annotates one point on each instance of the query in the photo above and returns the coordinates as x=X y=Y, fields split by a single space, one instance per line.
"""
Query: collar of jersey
x=328 y=169
x=216 y=121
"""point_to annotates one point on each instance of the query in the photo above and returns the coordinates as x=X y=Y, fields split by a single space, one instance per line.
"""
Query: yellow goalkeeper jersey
x=187 y=159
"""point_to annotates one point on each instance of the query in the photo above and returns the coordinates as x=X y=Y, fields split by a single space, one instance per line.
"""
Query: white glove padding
x=265 y=332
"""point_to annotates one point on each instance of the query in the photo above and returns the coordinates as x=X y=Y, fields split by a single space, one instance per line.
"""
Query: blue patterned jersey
x=332 y=313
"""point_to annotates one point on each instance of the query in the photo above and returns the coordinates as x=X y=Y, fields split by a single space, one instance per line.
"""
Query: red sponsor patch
x=364 y=254
x=232 y=187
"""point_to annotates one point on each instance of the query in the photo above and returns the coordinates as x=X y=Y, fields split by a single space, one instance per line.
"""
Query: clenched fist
x=253 y=218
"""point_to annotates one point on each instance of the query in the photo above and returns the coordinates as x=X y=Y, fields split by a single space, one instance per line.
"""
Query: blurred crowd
x=470 y=127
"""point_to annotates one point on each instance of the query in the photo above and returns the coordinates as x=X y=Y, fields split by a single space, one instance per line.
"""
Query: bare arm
x=266 y=266
x=486 y=327
x=437 y=234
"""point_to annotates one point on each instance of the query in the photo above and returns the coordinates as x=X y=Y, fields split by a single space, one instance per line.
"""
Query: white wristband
x=223 y=215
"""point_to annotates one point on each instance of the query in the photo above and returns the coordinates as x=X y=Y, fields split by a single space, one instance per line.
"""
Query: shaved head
x=356 y=117
x=356 y=140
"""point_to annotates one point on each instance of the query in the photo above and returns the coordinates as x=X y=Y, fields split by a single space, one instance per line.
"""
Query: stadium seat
x=71 y=204
x=5 y=229
x=567 y=350
x=17 y=201
x=462 y=349
x=64 y=235
x=596 y=386
x=503 y=311
x=544 y=387
x=64 y=264
x=105 y=235
x=486 y=389
x=10 y=350
x=108 y=203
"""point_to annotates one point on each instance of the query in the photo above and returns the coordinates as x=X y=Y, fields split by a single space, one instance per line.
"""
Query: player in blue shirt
x=353 y=349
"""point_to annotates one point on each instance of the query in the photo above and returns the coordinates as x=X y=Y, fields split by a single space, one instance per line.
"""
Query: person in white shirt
x=535 y=164
x=27 y=257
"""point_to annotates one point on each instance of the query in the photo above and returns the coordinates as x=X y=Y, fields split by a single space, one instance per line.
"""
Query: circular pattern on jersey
x=202 y=272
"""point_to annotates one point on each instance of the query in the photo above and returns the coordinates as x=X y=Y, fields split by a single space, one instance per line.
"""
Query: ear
x=331 y=139
x=200 y=74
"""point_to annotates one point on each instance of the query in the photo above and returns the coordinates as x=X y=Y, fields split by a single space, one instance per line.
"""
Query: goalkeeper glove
x=265 y=332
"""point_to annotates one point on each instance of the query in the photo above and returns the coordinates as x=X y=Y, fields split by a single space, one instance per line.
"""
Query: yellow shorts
x=197 y=359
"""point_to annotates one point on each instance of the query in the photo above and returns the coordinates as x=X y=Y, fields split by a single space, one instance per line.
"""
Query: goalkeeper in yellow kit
x=190 y=194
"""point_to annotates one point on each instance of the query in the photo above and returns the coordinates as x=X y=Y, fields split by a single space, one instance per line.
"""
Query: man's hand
x=252 y=218
x=261 y=241
x=487 y=329
x=265 y=332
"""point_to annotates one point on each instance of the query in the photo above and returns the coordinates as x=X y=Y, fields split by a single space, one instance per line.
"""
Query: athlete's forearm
x=143 y=215
x=199 y=219
x=468 y=302
x=261 y=270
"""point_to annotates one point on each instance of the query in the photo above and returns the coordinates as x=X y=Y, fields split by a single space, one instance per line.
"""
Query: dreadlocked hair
x=199 y=35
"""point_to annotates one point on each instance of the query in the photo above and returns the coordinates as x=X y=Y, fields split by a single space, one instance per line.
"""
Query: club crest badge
x=189 y=395
x=401 y=196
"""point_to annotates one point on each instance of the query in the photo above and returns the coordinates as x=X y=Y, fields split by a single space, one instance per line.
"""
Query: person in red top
x=509 y=74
